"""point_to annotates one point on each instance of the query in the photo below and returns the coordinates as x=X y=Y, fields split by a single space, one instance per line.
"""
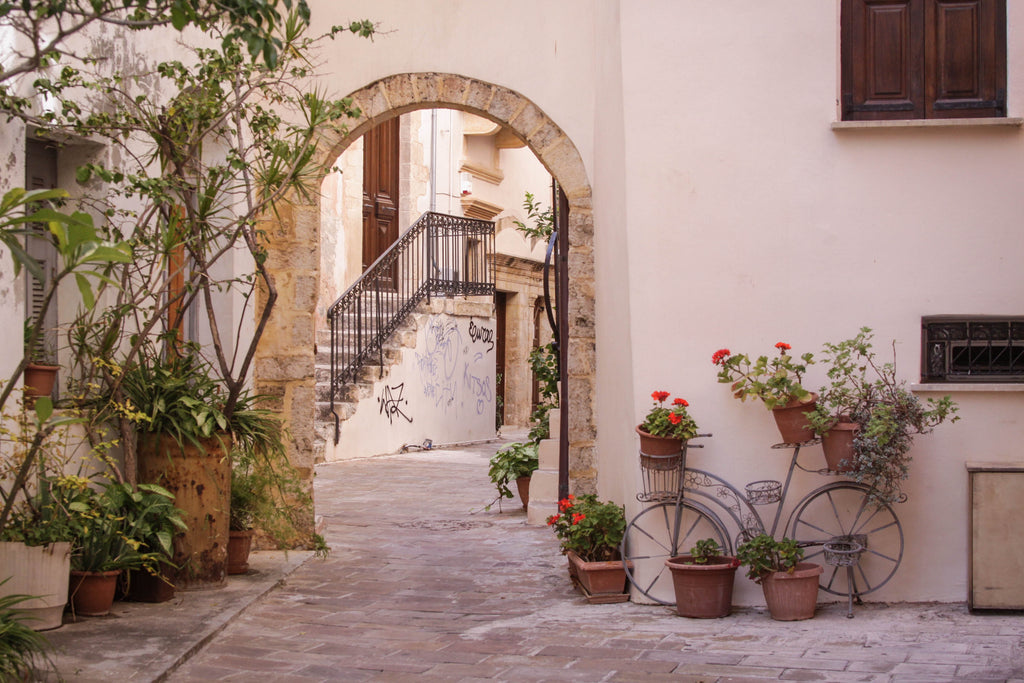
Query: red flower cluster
x=681 y=402
x=674 y=418
x=659 y=396
x=718 y=356
x=565 y=503
x=552 y=519
x=783 y=346
x=578 y=517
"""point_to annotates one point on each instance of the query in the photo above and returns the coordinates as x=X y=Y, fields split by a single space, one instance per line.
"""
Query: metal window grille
x=972 y=349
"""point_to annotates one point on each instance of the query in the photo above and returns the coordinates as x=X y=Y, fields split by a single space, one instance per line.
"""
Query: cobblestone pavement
x=421 y=584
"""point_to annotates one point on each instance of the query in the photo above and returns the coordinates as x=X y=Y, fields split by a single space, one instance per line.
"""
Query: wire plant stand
x=862 y=543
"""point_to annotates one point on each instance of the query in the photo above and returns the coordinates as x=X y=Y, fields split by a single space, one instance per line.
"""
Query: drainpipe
x=433 y=160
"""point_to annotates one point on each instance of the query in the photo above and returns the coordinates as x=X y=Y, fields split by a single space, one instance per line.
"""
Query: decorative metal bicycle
x=837 y=522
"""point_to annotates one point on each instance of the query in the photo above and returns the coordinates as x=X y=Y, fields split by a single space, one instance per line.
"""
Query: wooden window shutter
x=882 y=43
x=965 y=58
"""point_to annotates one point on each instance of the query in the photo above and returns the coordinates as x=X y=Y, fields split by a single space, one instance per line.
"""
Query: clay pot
x=658 y=445
x=837 y=444
x=92 y=593
x=792 y=596
x=523 y=485
x=239 y=545
x=146 y=587
x=792 y=421
x=39 y=379
x=703 y=591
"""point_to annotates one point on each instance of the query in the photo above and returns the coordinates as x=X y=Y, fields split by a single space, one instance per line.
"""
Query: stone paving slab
x=422 y=584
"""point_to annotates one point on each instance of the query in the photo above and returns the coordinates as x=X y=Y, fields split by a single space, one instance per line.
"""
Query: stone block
x=546 y=136
x=454 y=89
x=479 y=94
x=282 y=368
x=547 y=454
x=401 y=91
x=428 y=85
x=504 y=104
x=555 y=422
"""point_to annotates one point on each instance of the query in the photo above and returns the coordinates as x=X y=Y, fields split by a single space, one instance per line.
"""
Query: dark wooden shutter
x=910 y=59
x=882 y=53
x=965 y=58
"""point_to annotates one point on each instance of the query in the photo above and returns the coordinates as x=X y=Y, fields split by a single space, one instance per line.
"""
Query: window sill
x=959 y=387
x=994 y=122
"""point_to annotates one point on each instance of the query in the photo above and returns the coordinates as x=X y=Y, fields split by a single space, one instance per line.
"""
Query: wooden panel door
x=380 y=194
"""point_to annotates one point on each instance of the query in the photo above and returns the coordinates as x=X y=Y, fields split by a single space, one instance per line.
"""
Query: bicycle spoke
x=651 y=538
x=882 y=555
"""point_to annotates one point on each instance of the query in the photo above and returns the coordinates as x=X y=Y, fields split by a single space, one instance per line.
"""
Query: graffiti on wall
x=453 y=378
x=391 y=402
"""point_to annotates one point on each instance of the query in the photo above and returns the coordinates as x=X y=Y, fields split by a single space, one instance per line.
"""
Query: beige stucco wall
x=728 y=212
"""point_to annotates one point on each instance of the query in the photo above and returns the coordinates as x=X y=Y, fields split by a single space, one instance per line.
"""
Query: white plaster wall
x=442 y=390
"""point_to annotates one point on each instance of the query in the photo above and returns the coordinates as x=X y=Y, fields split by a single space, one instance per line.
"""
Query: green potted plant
x=184 y=445
x=703 y=581
x=590 y=532
x=877 y=415
x=40 y=373
x=664 y=429
x=515 y=462
x=121 y=528
x=790 y=586
x=776 y=382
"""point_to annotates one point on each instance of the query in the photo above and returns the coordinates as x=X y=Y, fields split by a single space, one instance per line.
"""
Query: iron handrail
x=438 y=255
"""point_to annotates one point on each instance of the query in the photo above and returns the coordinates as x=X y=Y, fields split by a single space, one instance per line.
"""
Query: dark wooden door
x=380 y=194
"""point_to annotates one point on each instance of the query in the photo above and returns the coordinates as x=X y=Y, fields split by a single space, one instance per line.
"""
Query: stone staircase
x=345 y=403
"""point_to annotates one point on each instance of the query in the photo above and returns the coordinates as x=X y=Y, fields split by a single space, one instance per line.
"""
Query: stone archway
x=285 y=360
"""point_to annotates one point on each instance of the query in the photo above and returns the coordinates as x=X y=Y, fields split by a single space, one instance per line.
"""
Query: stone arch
x=285 y=361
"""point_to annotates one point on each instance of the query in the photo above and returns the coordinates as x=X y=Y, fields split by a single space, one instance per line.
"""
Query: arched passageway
x=285 y=361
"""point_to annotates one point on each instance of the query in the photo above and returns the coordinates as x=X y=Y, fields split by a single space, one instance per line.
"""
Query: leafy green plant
x=23 y=651
x=674 y=422
x=776 y=380
x=705 y=550
x=125 y=528
x=763 y=555
x=590 y=528
x=508 y=464
x=544 y=364
x=867 y=392
x=543 y=220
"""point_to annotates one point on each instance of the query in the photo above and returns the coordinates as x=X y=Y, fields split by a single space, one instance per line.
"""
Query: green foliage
x=125 y=528
x=543 y=220
x=588 y=527
x=54 y=514
x=175 y=396
x=674 y=422
x=776 y=381
x=763 y=555
x=544 y=364
x=705 y=550
x=511 y=462
x=867 y=392
x=23 y=651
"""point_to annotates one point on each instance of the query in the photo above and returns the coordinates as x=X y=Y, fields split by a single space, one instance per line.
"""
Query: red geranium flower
x=659 y=396
x=674 y=418
x=680 y=402
x=783 y=346
x=720 y=355
x=552 y=520
x=578 y=517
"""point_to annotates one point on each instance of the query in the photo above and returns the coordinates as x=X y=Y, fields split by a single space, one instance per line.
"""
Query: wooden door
x=380 y=194
x=500 y=314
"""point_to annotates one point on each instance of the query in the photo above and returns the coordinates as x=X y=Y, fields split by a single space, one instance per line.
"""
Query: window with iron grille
x=972 y=349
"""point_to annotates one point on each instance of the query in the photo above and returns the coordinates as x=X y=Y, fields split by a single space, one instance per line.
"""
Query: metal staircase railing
x=439 y=255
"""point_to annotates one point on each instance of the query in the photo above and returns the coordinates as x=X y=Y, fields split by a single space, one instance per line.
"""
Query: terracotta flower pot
x=792 y=421
x=523 y=486
x=703 y=591
x=658 y=445
x=792 y=596
x=837 y=444
x=39 y=379
x=239 y=546
x=92 y=593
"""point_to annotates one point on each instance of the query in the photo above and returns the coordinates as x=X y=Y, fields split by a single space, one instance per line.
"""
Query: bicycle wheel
x=842 y=512
x=659 y=533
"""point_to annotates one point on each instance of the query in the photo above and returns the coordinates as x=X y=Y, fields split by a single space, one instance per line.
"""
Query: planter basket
x=662 y=463
x=703 y=591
